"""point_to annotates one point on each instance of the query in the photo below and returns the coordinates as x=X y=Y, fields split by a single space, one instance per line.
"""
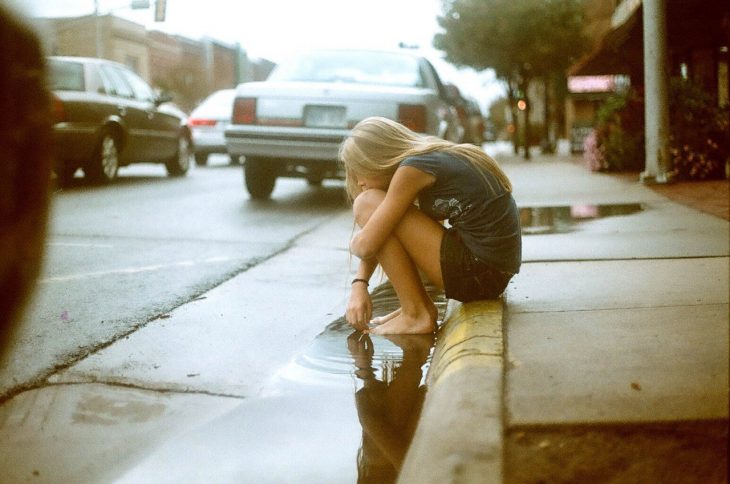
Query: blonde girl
x=388 y=169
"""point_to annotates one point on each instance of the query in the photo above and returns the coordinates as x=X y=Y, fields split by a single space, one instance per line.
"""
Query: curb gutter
x=459 y=434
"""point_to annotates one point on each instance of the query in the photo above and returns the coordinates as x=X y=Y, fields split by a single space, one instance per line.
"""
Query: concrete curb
x=459 y=435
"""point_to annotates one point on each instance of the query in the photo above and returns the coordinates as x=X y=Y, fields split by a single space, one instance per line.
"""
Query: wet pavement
x=616 y=363
x=343 y=410
x=615 y=367
x=551 y=220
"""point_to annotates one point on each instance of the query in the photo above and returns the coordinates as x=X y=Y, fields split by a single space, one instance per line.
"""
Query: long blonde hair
x=377 y=145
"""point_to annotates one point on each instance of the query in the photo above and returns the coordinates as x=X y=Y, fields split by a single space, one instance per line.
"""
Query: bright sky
x=270 y=28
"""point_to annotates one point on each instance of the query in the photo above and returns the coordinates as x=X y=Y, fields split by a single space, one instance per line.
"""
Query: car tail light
x=201 y=122
x=412 y=116
x=244 y=110
x=58 y=111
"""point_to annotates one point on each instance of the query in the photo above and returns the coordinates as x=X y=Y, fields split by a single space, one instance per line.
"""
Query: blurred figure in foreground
x=25 y=166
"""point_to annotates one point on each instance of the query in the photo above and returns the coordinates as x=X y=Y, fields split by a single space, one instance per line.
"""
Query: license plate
x=325 y=116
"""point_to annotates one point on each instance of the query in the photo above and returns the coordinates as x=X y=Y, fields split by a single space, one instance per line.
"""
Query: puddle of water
x=345 y=410
x=387 y=377
x=339 y=353
x=555 y=220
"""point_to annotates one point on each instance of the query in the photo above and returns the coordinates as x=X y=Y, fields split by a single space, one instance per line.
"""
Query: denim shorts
x=466 y=277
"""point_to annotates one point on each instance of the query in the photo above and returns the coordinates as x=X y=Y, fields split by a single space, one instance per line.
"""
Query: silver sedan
x=292 y=124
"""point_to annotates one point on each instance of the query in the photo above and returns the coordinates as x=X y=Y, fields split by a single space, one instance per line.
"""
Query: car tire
x=259 y=178
x=179 y=164
x=104 y=165
x=314 y=180
x=201 y=159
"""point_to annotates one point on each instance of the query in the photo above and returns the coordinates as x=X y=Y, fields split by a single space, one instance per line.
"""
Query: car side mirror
x=163 y=97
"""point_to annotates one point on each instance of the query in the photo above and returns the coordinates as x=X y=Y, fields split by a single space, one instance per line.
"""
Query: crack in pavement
x=132 y=386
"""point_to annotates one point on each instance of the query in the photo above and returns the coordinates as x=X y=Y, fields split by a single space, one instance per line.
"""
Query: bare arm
x=402 y=192
x=359 y=309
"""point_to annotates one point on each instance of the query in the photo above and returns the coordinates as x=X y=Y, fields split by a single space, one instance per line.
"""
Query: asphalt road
x=120 y=256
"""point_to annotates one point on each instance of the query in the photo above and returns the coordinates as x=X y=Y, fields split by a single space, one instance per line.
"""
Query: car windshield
x=65 y=76
x=390 y=69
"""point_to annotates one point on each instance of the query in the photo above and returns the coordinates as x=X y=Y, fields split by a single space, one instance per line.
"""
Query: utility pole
x=658 y=164
x=97 y=28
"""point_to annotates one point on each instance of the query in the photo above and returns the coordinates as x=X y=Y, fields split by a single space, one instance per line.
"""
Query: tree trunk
x=511 y=89
x=524 y=86
x=547 y=138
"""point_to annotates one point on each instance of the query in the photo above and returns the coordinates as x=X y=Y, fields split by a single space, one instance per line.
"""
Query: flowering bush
x=592 y=154
x=700 y=133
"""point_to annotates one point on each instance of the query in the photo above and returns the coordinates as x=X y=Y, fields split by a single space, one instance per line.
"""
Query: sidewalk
x=615 y=357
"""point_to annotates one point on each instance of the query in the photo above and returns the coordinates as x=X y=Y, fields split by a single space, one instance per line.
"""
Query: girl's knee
x=365 y=204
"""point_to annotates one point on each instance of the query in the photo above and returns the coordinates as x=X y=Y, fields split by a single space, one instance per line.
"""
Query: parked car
x=292 y=124
x=477 y=126
x=469 y=114
x=208 y=122
x=107 y=117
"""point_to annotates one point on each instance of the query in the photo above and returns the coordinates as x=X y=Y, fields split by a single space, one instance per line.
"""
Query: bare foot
x=422 y=323
x=386 y=318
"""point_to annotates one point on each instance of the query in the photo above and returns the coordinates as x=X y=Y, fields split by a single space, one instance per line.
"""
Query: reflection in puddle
x=554 y=220
x=387 y=374
x=388 y=408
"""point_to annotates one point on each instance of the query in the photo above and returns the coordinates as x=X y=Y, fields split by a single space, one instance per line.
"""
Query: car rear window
x=217 y=105
x=65 y=75
x=383 y=68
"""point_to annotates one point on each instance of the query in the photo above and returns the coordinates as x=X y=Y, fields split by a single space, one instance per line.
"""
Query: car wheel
x=104 y=166
x=201 y=159
x=179 y=164
x=259 y=178
x=314 y=180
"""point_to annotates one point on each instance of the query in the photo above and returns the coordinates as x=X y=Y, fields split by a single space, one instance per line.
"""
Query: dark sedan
x=107 y=117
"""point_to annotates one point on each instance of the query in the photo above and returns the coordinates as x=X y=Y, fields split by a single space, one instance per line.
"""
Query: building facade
x=188 y=69
x=698 y=38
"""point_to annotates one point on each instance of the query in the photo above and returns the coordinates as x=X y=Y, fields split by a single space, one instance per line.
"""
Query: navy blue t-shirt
x=475 y=204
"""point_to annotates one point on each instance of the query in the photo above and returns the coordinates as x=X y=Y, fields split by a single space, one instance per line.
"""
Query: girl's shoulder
x=437 y=157
x=433 y=162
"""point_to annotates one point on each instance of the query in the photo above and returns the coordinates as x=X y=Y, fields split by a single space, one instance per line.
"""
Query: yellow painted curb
x=471 y=336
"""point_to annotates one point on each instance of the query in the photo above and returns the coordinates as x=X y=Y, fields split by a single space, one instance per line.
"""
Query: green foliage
x=520 y=39
x=620 y=132
x=526 y=38
x=699 y=133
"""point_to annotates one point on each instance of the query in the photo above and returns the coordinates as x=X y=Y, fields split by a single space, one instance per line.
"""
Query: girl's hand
x=359 y=307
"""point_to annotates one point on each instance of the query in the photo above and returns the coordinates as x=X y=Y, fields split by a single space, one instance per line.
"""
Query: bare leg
x=416 y=239
x=418 y=313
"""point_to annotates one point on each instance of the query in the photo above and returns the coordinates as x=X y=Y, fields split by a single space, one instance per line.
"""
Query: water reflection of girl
x=388 y=408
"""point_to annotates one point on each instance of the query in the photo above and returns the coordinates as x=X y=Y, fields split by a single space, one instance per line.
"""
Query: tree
x=497 y=115
x=522 y=40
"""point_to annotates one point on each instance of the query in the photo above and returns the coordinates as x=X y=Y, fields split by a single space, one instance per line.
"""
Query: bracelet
x=367 y=283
